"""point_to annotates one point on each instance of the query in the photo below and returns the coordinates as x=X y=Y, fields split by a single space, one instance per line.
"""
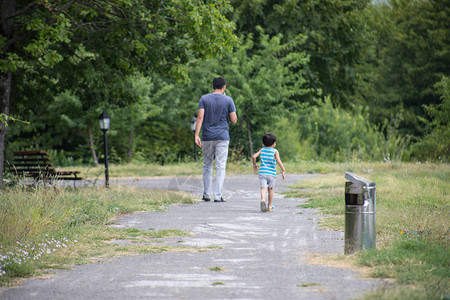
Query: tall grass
x=36 y=221
x=412 y=221
x=142 y=169
x=30 y=211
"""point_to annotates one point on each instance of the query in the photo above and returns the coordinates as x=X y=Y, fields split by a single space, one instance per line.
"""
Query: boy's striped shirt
x=268 y=162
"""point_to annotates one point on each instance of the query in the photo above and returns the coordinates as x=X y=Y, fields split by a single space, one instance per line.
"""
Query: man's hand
x=198 y=141
x=255 y=168
x=282 y=175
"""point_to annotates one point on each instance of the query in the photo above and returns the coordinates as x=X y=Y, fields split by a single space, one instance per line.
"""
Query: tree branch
x=19 y=13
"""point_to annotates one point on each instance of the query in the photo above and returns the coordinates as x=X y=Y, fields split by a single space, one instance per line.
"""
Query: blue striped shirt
x=268 y=162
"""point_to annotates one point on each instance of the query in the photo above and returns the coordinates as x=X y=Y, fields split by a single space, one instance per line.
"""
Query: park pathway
x=260 y=255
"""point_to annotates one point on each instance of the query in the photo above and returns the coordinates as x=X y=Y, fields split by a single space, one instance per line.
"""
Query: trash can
x=359 y=214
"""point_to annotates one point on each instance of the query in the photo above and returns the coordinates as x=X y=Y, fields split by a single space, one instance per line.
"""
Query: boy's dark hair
x=219 y=83
x=269 y=139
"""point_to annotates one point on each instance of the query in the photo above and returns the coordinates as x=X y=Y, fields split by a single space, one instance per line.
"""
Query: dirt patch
x=339 y=261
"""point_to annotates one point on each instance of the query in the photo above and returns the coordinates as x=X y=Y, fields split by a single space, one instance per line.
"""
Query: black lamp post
x=193 y=124
x=104 y=126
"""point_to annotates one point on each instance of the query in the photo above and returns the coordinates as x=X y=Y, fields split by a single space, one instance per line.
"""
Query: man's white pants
x=219 y=150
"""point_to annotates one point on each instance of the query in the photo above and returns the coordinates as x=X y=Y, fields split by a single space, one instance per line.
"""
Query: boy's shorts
x=267 y=181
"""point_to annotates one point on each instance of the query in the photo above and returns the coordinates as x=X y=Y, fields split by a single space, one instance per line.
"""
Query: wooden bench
x=37 y=164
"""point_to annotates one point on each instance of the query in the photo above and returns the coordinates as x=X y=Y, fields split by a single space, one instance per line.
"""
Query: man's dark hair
x=269 y=139
x=219 y=83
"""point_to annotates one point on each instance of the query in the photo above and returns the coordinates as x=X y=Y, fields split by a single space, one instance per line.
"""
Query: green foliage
x=263 y=85
x=288 y=140
x=141 y=62
x=336 y=38
x=76 y=59
x=408 y=56
x=161 y=121
x=60 y=125
x=265 y=79
x=177 y=30
x=436 y=145
x=4 y=119
x=338 y=135
x=62 y=158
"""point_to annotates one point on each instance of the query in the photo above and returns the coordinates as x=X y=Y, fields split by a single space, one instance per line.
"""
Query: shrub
x=335 y=134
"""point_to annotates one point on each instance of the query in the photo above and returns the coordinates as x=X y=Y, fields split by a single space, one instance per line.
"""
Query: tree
x=119 y=37
x=435 y=144
x=263 y=85
x=408 y=56
x=133 y=116
x=336 y=38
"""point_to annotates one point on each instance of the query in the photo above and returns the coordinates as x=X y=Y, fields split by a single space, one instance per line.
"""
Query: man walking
x=215 y=111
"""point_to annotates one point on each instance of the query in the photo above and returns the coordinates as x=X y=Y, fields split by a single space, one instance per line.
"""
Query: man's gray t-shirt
x=216 y=119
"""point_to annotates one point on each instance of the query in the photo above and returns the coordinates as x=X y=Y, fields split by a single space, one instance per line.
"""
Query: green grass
x=412 y=220
x=135 y=170
x=310 y=284
x=138 y=170
x=43 y=228
x=144 y=169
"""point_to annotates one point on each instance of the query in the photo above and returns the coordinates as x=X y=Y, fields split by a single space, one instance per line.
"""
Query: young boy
x=268 y=172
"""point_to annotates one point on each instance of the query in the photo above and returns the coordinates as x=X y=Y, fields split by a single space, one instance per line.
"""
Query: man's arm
x=198 y=125
x=233 y=117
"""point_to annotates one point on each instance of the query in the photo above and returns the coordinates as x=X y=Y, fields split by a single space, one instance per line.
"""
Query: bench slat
x=32 y=152
x=66 y=172
x=39 y=176
x=40 y=159
x=36 y=164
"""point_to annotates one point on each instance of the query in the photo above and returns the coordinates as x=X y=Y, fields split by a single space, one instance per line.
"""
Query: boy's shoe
x=206 y=199
x=220 y=200
x=263 y=206
x=270 y=208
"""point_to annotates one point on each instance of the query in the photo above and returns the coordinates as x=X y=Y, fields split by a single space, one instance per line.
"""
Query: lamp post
x=193 y=124
x=104 y=126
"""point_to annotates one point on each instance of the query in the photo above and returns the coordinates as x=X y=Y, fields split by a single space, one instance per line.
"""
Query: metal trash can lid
x=358 y=180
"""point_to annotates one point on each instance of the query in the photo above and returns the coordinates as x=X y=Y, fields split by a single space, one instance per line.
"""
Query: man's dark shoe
x=206 y=199
x=220 y=200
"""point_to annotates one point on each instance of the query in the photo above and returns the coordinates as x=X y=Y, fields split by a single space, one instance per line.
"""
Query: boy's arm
x=280 y=163
x=255 y=166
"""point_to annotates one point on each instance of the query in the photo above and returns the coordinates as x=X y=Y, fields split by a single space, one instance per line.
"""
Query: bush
x=288 y=141
x=334 y=134
x=436 y=145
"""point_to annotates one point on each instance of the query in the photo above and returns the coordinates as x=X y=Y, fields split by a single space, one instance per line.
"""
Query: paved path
x=262 y=254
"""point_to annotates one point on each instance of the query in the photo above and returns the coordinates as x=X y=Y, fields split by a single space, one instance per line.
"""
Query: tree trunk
x=5 y=93
x=91 y=144
x=7 y=8
x=249 y=132
x=130 y=143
